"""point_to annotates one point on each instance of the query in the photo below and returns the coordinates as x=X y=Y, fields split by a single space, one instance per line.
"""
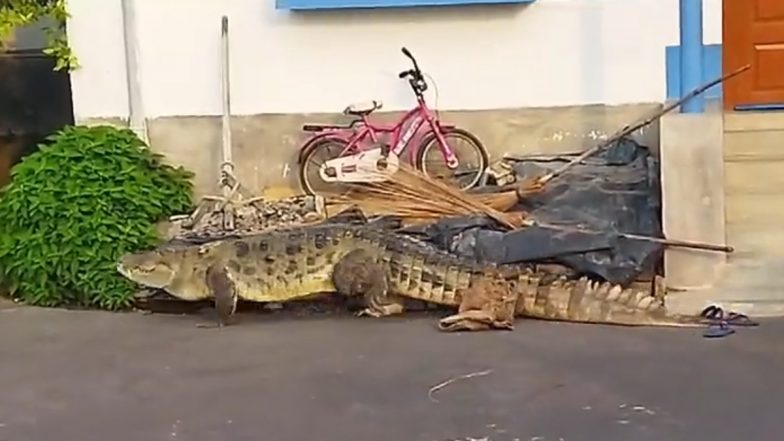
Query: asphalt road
x=82 y=376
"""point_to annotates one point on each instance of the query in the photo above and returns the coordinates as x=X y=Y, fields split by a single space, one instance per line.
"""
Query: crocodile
x=385 y=268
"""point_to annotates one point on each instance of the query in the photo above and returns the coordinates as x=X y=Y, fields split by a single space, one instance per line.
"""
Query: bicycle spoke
x=310 y=173
x=471 y=161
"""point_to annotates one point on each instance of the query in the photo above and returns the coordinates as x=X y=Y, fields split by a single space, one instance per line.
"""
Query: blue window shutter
x=301 y=5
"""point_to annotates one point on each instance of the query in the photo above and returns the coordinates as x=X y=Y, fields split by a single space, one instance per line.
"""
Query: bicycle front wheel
x=470 y=152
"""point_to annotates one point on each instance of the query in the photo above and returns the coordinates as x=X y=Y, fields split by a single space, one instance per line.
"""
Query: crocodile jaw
x=146 y=269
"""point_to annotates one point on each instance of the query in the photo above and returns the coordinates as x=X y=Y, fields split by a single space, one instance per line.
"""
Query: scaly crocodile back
x=297 y=262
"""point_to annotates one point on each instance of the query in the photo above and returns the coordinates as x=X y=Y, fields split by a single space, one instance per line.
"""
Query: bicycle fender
x=308 y=146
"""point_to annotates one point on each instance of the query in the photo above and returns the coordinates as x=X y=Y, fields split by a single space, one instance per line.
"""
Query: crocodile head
x=155 y=269
x=178 y=269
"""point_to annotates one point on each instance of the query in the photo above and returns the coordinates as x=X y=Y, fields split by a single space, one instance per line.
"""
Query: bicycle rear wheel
x=320 y=152
x=472 y=157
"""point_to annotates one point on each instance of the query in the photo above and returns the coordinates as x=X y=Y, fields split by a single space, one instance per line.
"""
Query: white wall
x=550 y=53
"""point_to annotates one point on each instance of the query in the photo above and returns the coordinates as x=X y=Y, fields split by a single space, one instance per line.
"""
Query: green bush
x=75 y=206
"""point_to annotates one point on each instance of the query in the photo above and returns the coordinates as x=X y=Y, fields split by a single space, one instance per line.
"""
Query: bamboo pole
x=543 y=180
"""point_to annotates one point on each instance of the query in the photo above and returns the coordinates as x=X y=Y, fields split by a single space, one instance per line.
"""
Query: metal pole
x=136 y=120
x=227 y=165
x=691 y=53
x=226 y=121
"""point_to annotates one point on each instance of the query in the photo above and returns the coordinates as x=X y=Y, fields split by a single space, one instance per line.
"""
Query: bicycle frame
x=400 y=138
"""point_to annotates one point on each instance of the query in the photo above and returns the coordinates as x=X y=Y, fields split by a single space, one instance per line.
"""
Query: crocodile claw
x=209 y=325
x=472 y=321
x=367 y=312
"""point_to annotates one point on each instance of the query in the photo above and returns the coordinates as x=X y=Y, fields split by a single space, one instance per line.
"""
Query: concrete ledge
x=266 y=146
x=753 y=121
x=694 y=302
x=692 y=169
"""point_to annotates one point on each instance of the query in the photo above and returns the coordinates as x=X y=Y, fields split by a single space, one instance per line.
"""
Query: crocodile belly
x=279 y=288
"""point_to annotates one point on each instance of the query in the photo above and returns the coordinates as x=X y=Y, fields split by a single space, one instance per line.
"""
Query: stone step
x=750 y=301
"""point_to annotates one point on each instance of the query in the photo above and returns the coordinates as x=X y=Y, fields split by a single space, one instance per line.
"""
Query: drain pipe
x=136 y=120
x=691 y=53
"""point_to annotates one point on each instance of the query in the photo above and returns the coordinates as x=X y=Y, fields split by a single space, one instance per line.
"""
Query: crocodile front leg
x=224 y=293
x=357 y=273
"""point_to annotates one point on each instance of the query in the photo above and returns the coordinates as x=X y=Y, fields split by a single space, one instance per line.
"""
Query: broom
x=416 y=199
x=505 y=200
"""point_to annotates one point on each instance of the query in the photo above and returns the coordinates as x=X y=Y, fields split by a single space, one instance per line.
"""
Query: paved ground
x=85 y=376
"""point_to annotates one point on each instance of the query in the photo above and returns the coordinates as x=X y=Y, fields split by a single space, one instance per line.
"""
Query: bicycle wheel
x=320 y=152
x=473 y=159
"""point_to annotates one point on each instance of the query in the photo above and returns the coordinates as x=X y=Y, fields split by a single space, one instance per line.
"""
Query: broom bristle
x=505 y=200
x=417 y=198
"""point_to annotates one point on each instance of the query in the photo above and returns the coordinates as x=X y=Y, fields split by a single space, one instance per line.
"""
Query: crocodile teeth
x=626 y=295
x=614 y=293
x=646 y=302
x=601 y=290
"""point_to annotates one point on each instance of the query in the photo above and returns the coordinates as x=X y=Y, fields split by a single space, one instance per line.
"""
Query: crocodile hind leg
x=358 y=274
x=488 y=304
x=379 y=303
x=224 y=293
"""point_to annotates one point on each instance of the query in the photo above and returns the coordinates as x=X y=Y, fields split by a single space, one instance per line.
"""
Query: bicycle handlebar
x=417 y=81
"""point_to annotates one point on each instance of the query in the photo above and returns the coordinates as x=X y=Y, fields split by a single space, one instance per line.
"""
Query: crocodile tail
x=595 y=302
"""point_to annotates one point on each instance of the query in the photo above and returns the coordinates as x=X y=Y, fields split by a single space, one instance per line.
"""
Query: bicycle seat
x=363 y=108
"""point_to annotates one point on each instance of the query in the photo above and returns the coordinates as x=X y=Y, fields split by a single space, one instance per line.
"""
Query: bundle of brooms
x=417 y=199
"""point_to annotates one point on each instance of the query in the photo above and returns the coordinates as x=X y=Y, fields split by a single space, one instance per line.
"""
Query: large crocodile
x=385 y=268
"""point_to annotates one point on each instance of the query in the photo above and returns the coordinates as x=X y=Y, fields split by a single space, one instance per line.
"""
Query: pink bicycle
x=339 y=151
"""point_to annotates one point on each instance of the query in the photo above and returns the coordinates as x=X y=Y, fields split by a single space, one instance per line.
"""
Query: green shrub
x=75 y=206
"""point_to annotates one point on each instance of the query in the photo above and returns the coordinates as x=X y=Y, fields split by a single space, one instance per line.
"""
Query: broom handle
x=663 y=241
x=630 y=129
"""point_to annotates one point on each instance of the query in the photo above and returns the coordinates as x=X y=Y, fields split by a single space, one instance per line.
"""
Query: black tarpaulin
x=615 y=191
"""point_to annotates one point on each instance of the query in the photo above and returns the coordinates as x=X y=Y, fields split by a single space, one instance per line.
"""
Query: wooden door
x=753 y=33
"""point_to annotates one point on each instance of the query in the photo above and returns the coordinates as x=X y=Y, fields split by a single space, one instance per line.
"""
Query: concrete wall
x=755 y=204
x=692 y=177
x=549 y=76
x=265 y=146
x=549 y=53
x=751 y=280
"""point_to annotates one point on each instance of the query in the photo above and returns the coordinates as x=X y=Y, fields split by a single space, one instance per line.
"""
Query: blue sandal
x=722 y=321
